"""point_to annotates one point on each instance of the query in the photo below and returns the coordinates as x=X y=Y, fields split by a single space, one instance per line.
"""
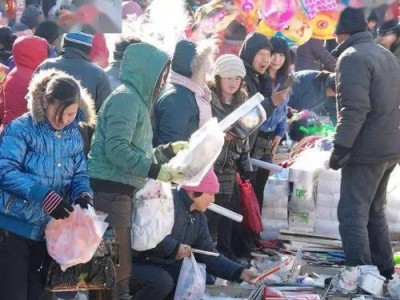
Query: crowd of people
x=78 y=130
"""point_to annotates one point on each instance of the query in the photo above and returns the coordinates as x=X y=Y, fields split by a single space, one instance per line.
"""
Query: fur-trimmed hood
x=189 y=57
x=37 y=89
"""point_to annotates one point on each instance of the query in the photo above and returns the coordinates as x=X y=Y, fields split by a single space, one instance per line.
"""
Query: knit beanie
x=79 y=40
x=389 y=27
x=131 y=8
x=351 y=21
x=31 y=14
x=235 y=32
x=228 y=66
x=185 y=52
x=209 y=184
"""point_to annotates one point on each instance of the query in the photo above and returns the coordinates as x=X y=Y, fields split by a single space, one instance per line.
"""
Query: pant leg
x=378 y=231
x=359 y=185
x=118 y=206
x=225 y=226
x=150 y=282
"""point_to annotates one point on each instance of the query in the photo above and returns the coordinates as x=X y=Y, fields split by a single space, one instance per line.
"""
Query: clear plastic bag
x=192 y=280
x=75 y=239
x=204 y=147
x=153 y=215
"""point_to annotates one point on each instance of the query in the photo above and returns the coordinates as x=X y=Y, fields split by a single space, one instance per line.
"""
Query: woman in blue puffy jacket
x=42 y=173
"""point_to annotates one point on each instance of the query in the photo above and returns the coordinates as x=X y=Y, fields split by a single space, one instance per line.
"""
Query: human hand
x=169 y=174
x=340 y=157
x=183 y=251
x=84 y=201
x=275 y=144
x=279 y=97
x=249 y=276
x=53 y=205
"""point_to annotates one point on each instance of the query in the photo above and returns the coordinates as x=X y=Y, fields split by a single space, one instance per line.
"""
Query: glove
x=178 y=146
x=53 y=205
x=340 y=157
x=169 y=174
x=84 y=200
x=246 y=175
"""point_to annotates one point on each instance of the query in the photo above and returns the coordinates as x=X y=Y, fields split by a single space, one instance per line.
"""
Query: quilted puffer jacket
x=35 y=158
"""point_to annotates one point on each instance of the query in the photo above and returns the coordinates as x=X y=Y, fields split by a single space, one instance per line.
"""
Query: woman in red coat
x=29 y=52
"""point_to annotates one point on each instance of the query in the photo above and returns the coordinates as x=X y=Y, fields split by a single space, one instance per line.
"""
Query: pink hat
x=131 y=8
x=209 y=184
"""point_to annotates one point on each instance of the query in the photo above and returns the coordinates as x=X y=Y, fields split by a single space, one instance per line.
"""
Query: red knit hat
x=209 y=184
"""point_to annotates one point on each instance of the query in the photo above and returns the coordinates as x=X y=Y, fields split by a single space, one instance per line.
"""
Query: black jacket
x=368 y=96
x=190 y=228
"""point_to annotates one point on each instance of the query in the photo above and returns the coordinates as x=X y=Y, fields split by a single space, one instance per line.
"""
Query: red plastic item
x=250 y=207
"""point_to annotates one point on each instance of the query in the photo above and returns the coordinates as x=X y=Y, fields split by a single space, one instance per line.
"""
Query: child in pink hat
x=155 y=272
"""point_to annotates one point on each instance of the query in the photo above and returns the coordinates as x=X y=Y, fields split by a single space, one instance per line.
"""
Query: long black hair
x=281 y=46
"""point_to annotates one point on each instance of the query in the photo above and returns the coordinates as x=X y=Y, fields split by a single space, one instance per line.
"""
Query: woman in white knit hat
x=227 y=94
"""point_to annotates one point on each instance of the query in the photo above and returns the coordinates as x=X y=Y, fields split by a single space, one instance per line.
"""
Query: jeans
x=361 y=214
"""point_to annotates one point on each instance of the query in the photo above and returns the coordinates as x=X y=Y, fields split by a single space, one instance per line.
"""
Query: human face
x=387 y=40
x=201 y=203
x=277 y=61
x=340 y=38
x=60 y=122
x=261 y=61
x=230 y=85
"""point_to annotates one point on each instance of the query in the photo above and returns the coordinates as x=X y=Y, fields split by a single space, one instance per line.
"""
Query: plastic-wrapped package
x=153 y=215
x=204 y=147
x=191 y=283
x=74 y=240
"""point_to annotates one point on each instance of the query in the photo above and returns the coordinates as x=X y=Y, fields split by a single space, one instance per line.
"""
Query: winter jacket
x=368 y=96
x=99 y=53
x=29 y=52
x=75 y=63
x=176 y=114
x=190 y=228
x=34 y=159
x=257 y=82
x=234 y=155
x=121 y=149
x=312 y=55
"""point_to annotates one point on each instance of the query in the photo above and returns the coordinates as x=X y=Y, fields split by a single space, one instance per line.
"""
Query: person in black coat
x=155 y=272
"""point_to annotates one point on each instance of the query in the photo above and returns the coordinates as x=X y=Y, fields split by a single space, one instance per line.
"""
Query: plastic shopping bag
x=204 y=147
x=74 y=240
x=153 y=215
x=192 y=280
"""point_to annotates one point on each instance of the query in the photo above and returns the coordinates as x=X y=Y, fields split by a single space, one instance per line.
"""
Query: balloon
x=324 y=25
x=312 y=7
x=263 y=28
x=277 y=13
x=248 y=13
x=299 y=29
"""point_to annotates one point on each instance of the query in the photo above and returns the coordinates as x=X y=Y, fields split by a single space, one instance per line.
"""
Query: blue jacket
x=190 y=228
x=309 y=93
x=34 y=159
x=277 y=121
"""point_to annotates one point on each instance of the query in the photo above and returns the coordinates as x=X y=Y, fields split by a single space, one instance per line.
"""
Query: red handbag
x=250 y=207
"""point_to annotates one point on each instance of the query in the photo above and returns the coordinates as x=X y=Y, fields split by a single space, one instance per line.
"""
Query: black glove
x=53 y=205
x=246 y=175
x=84 y=201
x=340 y=157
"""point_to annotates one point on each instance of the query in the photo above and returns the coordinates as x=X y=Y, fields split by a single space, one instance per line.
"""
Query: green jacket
x=121 y=149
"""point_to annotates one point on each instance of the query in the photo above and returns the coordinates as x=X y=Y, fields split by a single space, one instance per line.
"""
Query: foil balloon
x=215 y=16
x=264 y=29
x=312 y=7
x=248 y=13
x=324 y=24
x=299 y=29
x=277 y=13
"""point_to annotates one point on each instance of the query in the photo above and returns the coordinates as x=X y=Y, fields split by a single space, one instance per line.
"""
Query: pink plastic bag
x=75 y=239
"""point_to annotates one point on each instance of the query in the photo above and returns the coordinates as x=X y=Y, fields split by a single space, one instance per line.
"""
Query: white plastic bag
x=153 y=215
x=192 y=280
x=204 y=147
x=74 y=240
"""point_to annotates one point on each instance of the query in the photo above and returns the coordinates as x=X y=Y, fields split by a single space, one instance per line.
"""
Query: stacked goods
x=328 y=193
x=275 y=205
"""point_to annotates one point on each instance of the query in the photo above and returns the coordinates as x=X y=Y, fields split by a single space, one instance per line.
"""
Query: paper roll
x=225 y=212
